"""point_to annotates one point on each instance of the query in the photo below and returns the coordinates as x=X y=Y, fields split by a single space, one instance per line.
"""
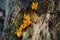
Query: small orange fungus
x=34 y=5
x=35 y=16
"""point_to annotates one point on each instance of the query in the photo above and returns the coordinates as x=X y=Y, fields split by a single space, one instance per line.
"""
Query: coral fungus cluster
x=26 y=22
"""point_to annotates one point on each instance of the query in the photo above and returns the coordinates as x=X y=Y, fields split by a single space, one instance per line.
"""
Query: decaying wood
x=40 y=25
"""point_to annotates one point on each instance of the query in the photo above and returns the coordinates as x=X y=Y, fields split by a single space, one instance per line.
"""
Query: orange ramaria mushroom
x=34 y=5
x=26 y=23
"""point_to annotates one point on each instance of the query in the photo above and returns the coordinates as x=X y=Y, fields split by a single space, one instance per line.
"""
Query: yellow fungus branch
x=26 y=23
x=34 y=5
